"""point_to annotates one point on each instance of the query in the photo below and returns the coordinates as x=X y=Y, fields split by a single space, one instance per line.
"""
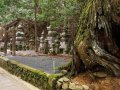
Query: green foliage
x=56 y=11
x=12 y=9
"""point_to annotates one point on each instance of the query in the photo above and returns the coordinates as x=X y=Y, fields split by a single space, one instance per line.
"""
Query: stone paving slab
x=10 y=82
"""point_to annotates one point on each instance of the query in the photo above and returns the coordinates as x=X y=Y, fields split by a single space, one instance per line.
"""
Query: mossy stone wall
x=38 y=78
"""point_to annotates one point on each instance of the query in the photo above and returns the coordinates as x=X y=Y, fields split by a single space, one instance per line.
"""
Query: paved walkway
x=10 y=82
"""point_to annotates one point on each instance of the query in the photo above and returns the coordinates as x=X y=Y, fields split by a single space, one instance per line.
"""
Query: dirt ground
x=95 y=83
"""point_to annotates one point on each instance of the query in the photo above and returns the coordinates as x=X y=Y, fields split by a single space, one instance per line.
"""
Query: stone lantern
x=19 y=40
x=64 y=42
x=49 y=37
x=51 y=40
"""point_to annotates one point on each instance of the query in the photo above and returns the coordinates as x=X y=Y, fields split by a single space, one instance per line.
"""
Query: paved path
x=44 y=63
x=10 y=82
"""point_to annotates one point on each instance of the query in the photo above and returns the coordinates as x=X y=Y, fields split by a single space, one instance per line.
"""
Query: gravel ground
x=44 y=63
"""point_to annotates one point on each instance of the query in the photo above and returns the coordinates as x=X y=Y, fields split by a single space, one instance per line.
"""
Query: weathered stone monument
x=41 y=45
x=31 y=44
x=49 y=37
x=63 y=43
x=57 y=44
x=46 y=47
x=19 y=40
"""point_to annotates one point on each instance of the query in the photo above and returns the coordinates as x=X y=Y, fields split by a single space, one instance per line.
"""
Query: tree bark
x=14 y=42
x=36 y=36
x=97 y=39
x=5 y=42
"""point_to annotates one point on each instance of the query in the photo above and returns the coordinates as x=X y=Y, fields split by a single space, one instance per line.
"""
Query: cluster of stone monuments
x=52 y=43
x=20 y=43
x=55 y=43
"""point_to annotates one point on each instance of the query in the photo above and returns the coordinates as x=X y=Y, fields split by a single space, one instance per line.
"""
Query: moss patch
x=84 y=23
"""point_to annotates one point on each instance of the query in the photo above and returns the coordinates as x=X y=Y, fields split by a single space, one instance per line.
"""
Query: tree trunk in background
x=97 y=41
x=36 y=36
x=5 y=41
x=14 y=42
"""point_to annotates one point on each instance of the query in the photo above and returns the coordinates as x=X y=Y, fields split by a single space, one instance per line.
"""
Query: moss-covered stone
x=36 y=77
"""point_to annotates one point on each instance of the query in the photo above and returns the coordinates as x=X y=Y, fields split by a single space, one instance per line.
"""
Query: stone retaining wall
x=36 y=77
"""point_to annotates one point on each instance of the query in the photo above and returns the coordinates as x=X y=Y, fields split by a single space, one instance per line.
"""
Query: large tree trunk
x=98 y=41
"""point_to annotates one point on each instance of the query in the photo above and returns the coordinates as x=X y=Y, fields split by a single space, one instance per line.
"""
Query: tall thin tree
x=35 y=13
